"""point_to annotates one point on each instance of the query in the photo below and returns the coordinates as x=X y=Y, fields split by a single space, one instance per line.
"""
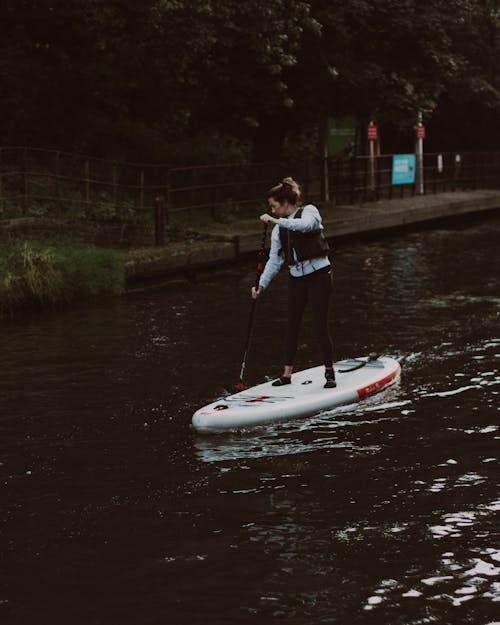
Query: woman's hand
x=268 y=219
x=256 y=292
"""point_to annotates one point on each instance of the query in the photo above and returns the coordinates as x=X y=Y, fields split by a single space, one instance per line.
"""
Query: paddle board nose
x=199 y=421
x=207 y=420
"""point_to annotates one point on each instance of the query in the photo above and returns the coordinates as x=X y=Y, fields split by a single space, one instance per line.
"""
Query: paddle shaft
x=260 y=268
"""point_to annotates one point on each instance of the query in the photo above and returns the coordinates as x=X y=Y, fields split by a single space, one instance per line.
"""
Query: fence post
x=352 y=181
x=378 y=175
x=325 y=191
x=114 y=173
x=57 y=168
x=58 y=185
x=372 y=171
x=141 y=190
x=87 y=181
x=365 y=179
x=1 y=183
x=457 y=162
x=168 y=197
x=194 y=192
x=160 y=220
x=25 y=173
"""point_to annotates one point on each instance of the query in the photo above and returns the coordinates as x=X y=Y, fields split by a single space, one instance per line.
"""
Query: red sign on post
x=420 y=131
x=372 y=132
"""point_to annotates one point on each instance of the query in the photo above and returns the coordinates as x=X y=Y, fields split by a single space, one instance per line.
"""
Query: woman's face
x=280 y=209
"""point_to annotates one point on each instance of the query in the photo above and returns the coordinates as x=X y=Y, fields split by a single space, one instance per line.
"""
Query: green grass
x=44 y=273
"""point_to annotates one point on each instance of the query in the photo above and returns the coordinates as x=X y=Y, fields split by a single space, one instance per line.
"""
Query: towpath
x=226 y=244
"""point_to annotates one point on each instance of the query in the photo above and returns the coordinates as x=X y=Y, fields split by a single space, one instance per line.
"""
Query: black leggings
x=314 y=289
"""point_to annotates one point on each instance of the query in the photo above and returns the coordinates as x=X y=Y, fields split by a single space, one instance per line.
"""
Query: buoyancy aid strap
x=285 y=234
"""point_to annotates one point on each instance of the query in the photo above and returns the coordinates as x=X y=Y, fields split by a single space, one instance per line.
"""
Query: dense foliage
x=197 y=79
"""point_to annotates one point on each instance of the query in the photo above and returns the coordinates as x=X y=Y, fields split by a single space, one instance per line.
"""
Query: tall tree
x=106 y=75
x=232 y=71
x=468 y=111
x=384 y=59
x=75 y=71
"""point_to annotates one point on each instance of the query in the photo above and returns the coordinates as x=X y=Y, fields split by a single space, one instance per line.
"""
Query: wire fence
x=38 y=182
x=361 y=179
x=50 y=183
x=61 y=184
x=220 y=191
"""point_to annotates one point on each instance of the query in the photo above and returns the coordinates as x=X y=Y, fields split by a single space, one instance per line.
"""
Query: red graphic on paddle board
x=375 y=386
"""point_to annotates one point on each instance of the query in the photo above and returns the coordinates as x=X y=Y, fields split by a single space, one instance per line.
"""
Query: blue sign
x=403 y=169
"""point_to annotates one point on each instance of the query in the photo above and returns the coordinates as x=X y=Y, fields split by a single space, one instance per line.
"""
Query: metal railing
x=219 y=190
x=51 y=183
x=354 y=180
x=61 y=184
x=35 y=182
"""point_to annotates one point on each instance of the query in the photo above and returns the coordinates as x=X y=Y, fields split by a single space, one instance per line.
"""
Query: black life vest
x=306 y=245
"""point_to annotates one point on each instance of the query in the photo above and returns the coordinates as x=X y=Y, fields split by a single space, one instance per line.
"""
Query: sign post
x=420 y=153
x=325 y=173
x=372 y=137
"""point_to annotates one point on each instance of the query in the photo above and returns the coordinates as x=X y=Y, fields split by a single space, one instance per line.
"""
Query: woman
x=297 y=240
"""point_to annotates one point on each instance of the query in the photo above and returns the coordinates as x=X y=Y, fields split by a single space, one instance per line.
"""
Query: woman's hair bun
x=287 y=189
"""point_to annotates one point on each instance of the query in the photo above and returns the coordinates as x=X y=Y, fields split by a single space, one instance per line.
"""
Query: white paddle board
x=304 y=397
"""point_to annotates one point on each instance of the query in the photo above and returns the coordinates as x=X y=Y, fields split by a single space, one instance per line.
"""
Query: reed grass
x=44 y=273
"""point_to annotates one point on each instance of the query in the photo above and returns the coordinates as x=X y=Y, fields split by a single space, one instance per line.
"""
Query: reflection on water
x=385 y=511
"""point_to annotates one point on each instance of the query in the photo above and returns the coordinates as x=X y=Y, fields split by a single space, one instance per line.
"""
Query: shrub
x=42 y=274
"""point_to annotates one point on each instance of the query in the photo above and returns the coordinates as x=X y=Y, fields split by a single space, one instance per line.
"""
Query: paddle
x=260 y=267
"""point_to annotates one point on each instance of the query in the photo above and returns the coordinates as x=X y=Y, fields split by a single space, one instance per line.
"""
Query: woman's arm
x=309 y=221
x=274 y=262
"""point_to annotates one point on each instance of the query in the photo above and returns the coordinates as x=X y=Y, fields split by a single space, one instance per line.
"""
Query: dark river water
x=113 y=511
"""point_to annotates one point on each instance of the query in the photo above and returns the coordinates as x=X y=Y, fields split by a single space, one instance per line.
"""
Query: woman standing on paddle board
x=297 y=239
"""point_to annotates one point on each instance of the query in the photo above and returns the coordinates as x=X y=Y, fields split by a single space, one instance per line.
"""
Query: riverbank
x=226 y=244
